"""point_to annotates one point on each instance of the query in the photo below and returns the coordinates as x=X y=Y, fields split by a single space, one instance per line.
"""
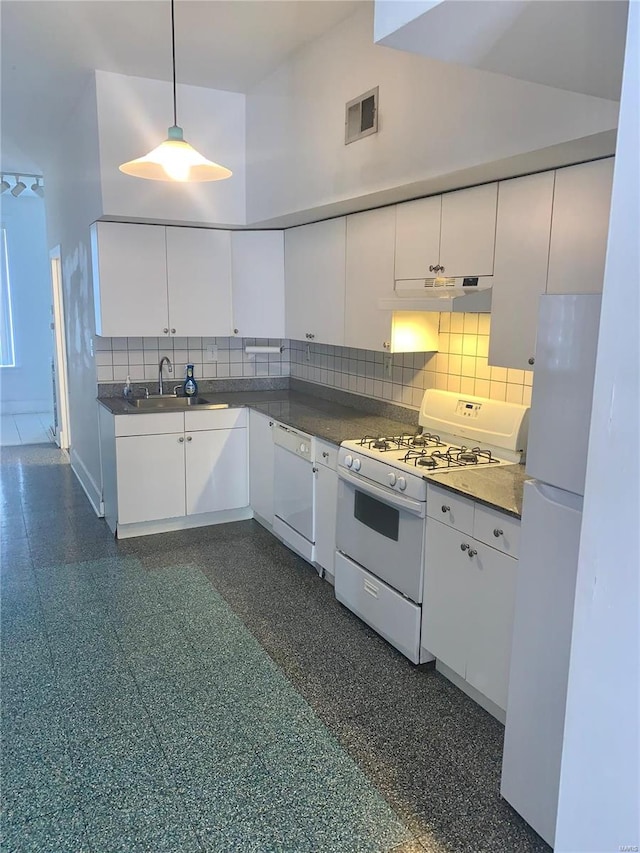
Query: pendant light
x=175 y=159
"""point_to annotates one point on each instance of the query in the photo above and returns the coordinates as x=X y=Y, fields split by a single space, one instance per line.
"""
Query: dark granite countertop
x=499 y=488
x=323 y=418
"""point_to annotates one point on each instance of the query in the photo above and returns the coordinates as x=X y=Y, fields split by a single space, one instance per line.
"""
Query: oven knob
x=348 y=461
x=392 y=479
x=402 y=484
x=356 y=464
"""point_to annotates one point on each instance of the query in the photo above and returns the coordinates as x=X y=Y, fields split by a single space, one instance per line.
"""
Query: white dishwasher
x=294 y=490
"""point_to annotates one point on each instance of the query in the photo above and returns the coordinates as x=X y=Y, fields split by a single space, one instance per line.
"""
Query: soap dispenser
x=190 y=386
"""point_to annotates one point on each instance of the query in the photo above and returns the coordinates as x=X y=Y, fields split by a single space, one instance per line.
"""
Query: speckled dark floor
x=203 y=691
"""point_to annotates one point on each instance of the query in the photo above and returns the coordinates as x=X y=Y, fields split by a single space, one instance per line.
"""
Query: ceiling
x=49 y=47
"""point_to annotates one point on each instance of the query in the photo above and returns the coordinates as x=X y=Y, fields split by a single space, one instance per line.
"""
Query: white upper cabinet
x=370 y=256
x=451 y=235
x=156 y=280
x=129 y=279
x=257 y=259
x=581 y=205
x=551 y=237
x=315 y=282
x=199 y=281
x=468 y=232
x=417 y=237
x=520 y=274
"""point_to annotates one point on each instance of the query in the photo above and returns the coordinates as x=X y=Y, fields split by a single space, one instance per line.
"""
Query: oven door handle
x=400 y=502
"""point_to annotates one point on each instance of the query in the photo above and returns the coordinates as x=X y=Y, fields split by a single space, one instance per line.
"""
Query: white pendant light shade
x=175 y=160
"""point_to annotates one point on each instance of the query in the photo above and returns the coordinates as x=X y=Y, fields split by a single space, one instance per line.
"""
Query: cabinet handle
x=325 y=454
x=471 y=552
x=309 y=336
x=181 y=439
x=314 y=470
x=464 y=547
x=432 y=268
x=270 y=423
x=446 y=508
x=532 y=360
x=166 y=331
x=386 y=345
x=441 y=268
x=235 y=331
x=497 y=532
x=173 y=331
x=189 y=438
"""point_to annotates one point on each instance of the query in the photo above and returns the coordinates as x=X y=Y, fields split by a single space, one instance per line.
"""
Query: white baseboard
x=495 y=710
x=91 y=488
x=185 y=522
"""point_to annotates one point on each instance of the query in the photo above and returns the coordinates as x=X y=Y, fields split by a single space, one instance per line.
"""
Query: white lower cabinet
x=326 y=504
x=469 y=592
x=261 y=465
x=174 y=469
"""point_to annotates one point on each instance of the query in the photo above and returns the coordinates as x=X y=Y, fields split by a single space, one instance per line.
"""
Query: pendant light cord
x=173 y=59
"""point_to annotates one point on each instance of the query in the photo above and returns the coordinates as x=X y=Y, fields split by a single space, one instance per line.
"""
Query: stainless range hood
x=440 y=294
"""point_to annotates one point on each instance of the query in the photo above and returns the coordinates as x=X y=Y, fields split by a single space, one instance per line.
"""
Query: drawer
x=327 y=454
x=497 y=529
x=151 y=423
x=450 y=508
x=390 y=614
x=215 y=419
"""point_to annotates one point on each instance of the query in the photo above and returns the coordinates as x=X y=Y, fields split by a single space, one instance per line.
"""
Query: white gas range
x=382 y=497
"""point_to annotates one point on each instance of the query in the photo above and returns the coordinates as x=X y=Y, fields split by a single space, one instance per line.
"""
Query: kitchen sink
x=168 y=401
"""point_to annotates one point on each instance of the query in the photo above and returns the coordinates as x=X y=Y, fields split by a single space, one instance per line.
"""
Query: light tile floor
x=203 y=691
x=32 y=428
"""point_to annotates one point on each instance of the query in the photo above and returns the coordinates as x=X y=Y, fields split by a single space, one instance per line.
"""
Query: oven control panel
x=466 y=409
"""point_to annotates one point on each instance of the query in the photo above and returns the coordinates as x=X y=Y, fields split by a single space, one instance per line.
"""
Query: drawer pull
x=464 y=547
x=371 y=589
x=472 y=552
x=446 y=508
x=497 y=532
x=325 y=454
x=181 y=439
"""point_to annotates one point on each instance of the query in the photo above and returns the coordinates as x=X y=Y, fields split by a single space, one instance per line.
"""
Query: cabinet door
x=257 y=259
x=417 y=237
x=468 y=231
x=261 y=465
x=315 y=281
x=129 y=279
x=446 y=604
x=150 y=474
x=199 y=275
x=216 y=466
x=520 y=273
x=581 y=205
x=492 y=591
x=370 y=275
x=325 y=522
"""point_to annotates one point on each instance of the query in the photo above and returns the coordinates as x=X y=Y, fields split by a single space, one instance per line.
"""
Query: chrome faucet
x=169 y=368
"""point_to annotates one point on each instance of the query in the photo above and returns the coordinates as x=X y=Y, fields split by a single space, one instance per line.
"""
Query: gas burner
x=419 y=440
x=468 y=457
x=380 y=444
x=427 y=462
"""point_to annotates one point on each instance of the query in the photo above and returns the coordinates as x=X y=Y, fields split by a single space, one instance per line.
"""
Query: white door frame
x=63 y=432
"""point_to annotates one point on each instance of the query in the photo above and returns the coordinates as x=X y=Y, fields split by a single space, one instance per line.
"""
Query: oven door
x=383 y=532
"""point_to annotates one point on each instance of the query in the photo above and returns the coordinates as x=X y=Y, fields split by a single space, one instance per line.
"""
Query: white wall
x=133 y=116
x=73 y=202
x=599 y=802
x=27 y=386
x=435 y=119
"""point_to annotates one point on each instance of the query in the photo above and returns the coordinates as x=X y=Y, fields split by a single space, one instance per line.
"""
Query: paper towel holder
x=256 y=350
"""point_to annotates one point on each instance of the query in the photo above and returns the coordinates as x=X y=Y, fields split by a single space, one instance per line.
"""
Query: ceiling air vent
x=361 y=116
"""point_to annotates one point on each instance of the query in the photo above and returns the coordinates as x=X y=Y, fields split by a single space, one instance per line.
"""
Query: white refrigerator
x=560 y=417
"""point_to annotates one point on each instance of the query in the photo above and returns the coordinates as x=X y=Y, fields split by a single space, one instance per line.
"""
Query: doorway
x=60 y=426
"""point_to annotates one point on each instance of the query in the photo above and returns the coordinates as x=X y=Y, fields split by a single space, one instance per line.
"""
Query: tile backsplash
x=459 y=365
x=212 y=358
